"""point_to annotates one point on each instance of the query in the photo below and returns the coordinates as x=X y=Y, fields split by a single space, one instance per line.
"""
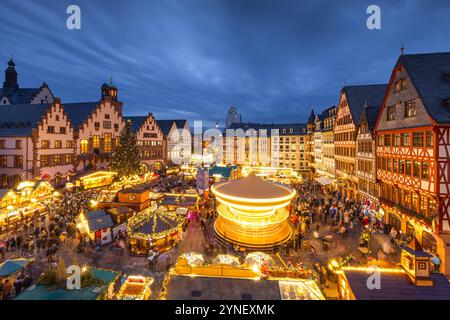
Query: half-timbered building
x=352 y=101
x=413 y=151
x=365 y=156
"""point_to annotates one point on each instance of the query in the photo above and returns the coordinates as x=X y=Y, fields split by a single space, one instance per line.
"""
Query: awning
x=324 y=180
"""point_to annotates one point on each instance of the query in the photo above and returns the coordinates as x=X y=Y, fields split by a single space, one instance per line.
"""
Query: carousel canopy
x=155 y=222
x=253 y=187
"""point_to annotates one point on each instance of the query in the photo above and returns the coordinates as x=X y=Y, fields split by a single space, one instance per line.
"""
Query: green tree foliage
x=127 y=158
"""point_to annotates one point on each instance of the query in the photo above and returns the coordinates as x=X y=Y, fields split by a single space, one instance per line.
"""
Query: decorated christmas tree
x=127 y=158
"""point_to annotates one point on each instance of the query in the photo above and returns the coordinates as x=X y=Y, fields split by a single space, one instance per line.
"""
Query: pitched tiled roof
x=20 y=119
x=21 y=95
x=359 y=97
x=78 y=112
x=98 y=220
x=430 y=74
x=312 y=117
x=136 y=122
x=370 y=114
x=165 y=125
x=395 y=286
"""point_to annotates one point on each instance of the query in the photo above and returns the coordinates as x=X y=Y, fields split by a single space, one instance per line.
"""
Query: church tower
x=11 y=76
x=109 y=90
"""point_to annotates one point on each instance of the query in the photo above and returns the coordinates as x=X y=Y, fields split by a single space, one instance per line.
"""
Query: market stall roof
x=185 y=200
x=224 y=171
x=212 y=288
x=396 y=286
x=324 y=180
x=253 y=187
x=42 y=292
x=98 y=220
x=10 y=267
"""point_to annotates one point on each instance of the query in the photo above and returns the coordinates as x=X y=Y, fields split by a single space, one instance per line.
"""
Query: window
x=418 y=139
x=3 y=161
x=410 y=109
x=69 y=158
x=391 y=113
x=18 y=161
x=69 y=144
x=2 y=144
x=423 y=204
x=83 y=146
x=45 y=144
x=425 y=171
x=116 y=127
x=414 y=201
x=62 y=130
x=97 y=126
x=96 y=142
x=106 y=116
x=429 y=137
x=50 y=129
x=106 y=124
x=387 y=140
x=57 y=159
x=396 y=138
x=44 y=161
x=431 y=206
x=406 y=139
x=58 y=144
x=408 y=167
x=416 y=169
x=107 y=143
x=401 y=166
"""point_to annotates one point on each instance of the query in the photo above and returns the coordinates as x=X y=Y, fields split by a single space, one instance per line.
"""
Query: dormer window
x=410 y=109
x=391 y=114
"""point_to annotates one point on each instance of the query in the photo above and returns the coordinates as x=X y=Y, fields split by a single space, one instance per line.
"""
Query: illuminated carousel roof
x=253 y=187
x=155 y=222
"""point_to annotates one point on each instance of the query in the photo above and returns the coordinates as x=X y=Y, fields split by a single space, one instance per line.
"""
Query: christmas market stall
x=154 y=229
x=135 y=288
x=95 y=180
x=175 y=200
x=98 y=225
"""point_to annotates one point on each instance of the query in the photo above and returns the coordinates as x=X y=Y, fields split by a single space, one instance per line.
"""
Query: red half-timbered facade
x=413 y=151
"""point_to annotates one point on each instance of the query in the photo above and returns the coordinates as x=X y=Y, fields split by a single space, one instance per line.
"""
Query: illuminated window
x=416 y=169
x=107 y=143
x=418 y=139
x=96 y=142
x=406 y=139
x=45 y=144
x=69 y=158
x=3 y=161
x=58 y=144
x=57 y=159
x=18 y=144
x=83 y=146
x=18 y=161
x=44 y=161
x=425 y=171
x=429 y=137
x=69 y=144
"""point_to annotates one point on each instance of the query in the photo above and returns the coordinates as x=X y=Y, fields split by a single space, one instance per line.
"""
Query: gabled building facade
x=328 y=122
x=413 y=151
x=97 y=129
x=150 y=139
x=37 y=147
x=178 y=140
x=352 y=101
x=365 y=156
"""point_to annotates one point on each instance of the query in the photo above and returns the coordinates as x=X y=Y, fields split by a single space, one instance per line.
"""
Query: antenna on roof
x=402 y=50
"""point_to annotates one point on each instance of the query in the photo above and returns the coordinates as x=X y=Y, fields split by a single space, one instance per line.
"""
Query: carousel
x=156 y=229
x=253 y=212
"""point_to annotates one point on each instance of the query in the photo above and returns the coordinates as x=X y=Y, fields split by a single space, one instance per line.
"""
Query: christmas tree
x=127 y=158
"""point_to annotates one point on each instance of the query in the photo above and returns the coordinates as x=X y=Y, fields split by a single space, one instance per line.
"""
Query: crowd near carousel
x=163 y=236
